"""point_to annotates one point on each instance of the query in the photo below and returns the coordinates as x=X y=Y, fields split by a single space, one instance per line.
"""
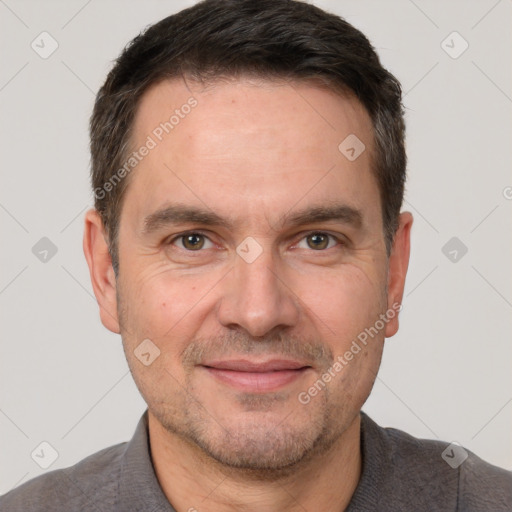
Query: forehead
x=249 y=146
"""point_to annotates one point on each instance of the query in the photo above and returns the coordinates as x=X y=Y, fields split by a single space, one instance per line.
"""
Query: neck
x=192 y=481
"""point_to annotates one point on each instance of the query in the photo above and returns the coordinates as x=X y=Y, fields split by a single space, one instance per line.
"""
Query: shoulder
x=90 y=484
x=436 y=474
x=483 y=486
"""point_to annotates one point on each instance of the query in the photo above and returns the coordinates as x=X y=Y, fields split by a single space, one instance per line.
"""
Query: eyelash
x=305 y=235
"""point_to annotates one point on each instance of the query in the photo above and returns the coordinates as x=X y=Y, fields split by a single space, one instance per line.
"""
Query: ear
x=100 y=269
x=397 y=268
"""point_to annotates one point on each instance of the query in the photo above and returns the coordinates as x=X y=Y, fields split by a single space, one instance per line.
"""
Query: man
x=247 y=243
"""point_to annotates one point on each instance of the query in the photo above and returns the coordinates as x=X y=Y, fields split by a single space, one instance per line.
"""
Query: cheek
x=157 y=308
x=344 y=301
x=162 y=306
x=357 y=378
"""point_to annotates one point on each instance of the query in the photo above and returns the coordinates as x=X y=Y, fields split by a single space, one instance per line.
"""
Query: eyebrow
x=180 y=214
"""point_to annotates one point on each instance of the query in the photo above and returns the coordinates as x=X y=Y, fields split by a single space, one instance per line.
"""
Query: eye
x=319 y=241
x=192 y=241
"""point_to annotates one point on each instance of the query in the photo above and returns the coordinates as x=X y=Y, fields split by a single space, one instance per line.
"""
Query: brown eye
x=191 y=241
x=318 y=241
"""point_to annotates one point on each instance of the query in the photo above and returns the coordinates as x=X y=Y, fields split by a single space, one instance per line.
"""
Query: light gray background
x=447 y=374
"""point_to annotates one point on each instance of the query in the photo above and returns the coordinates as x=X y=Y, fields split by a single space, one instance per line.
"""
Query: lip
x=245 y=365
x=257 y=377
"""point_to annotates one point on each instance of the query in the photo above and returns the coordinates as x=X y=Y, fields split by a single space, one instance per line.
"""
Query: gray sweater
x=400 y=473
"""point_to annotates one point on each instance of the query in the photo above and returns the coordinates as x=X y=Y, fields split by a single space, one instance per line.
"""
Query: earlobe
x=100 y=269
x=397 y=269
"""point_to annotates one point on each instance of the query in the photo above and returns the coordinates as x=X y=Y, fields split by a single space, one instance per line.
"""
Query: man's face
x=249 y=313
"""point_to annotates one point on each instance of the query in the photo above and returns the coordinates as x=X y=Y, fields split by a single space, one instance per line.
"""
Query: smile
x=262 y=377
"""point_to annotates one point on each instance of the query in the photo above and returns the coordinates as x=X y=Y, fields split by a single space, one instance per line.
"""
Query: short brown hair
x=230 y=38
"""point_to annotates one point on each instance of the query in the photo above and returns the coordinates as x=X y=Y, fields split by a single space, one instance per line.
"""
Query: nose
x=257 y=297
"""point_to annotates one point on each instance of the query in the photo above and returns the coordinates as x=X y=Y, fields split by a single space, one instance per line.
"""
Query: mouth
x=257 y=377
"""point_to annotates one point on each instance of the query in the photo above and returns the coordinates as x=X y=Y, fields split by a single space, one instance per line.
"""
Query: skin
x=252 y=151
